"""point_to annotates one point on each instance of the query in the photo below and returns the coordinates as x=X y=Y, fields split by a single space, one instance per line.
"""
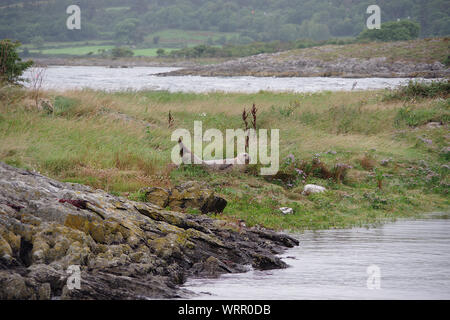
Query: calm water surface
x=139 y=78
x=413 y=257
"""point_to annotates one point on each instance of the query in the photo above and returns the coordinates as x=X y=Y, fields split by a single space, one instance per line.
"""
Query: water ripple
x=413 y=257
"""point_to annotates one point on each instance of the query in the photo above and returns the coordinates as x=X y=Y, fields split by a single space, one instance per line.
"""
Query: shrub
x=376 y=201
x=11 y=66
x=63 y=105
x=392 y=31
x=446 y=62
x=417 y=89
x=286 y=111
x=121 y=52
x=379 y=177
x=339 y=171
x=161 y=52
x=293 y=172
x=367 y=163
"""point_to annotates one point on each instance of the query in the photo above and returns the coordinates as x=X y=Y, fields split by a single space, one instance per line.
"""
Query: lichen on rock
x=124 y=249
x=191 y=194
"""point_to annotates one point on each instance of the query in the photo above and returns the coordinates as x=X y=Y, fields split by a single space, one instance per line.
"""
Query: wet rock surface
x=279 y=65
x=124 y=249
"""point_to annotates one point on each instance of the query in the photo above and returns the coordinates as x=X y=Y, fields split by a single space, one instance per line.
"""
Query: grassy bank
x=416 y=51
x=120 y=142
x=84 y=51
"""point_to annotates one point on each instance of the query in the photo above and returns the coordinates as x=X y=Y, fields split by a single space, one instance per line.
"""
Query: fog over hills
x=244 y=21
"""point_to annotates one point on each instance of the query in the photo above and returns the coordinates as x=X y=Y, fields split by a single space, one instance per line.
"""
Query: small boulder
x=214 y=204
x=312 y=188
x=434 y=125
x=286 y=210
x=156 y=195
x=191 y=194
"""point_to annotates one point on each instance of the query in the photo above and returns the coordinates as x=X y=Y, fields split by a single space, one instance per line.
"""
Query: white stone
x=286 y=210
x=312 y=188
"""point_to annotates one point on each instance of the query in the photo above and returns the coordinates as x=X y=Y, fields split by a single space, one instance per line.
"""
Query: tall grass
x=120 y=142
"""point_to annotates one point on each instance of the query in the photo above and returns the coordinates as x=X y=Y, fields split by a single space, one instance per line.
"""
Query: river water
x=143 y=78
x=412 y=257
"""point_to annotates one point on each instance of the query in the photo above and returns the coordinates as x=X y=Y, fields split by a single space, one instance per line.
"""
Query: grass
x=417 y=90
x=418 y=51
x=62 y=44
x=88 y=140
x=149 y=52
x=83 y=50
x=75 y=50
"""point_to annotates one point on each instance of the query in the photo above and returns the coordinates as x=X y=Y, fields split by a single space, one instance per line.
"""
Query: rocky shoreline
x=282 y=65
x=272 y=65
x=124 y=249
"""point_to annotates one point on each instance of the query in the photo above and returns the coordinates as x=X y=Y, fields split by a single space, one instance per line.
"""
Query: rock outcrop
x=279 y=65
x=191 y=194
x=124 y=249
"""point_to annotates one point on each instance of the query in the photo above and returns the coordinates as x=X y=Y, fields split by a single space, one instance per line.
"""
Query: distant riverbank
x=125 y=62
x=269 y=65
x=405 y=59
x=426 y=58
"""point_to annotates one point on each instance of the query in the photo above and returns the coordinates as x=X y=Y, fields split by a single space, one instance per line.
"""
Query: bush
x=293 y=172
x=11 y=66
x=392 y=31
x=446 y=62
x=161 y=52
x=417 y=117
x=63 y=105
x=121 y=52
x=417 y=89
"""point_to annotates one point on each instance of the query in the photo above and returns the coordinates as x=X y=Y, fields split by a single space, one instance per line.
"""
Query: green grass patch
x=74 y=51
x=420 y=90
x=338 y=140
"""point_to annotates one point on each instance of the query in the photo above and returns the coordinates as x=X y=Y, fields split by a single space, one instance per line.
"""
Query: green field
x=74 y=51
x=168 y=40
x=93 y=50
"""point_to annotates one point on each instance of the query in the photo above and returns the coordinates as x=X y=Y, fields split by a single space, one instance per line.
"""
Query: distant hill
x=139 y=22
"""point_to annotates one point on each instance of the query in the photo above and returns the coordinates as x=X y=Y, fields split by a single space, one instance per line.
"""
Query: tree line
x=130 y=21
